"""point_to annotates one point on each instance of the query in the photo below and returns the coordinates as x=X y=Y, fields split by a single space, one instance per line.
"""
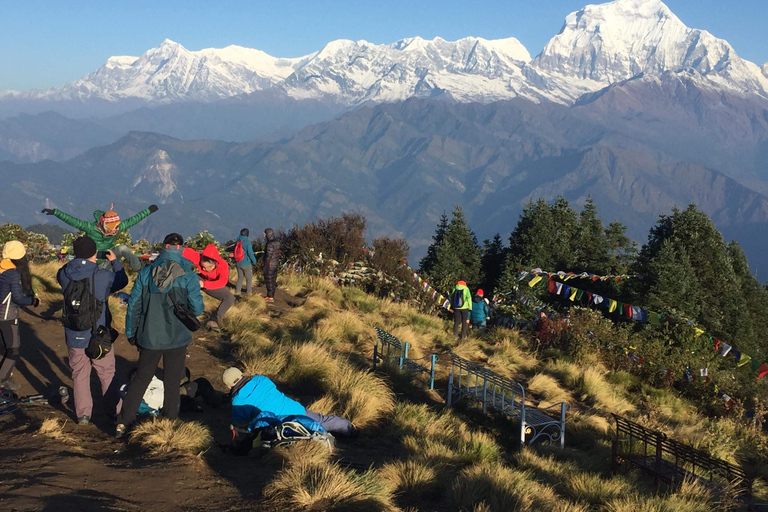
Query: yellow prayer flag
x=574 y=291
x=699 y=331
x=611 y=305
x=534 y=281
x=744 y=359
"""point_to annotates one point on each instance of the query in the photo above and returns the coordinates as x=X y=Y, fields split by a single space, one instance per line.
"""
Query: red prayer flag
x=552 y=286
x=762 y=371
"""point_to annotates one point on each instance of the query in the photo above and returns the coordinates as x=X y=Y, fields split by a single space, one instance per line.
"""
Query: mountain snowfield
x=597 y=46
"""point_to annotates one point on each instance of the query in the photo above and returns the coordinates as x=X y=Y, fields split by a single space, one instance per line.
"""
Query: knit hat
x=480 y=292
x=13 y=250
x=109 y=223
x=231 y=376
x=84 y=247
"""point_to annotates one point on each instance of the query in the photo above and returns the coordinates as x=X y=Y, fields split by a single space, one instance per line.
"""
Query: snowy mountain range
x=598 y=46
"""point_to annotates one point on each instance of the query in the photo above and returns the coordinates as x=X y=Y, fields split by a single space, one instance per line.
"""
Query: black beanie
x=84 y=247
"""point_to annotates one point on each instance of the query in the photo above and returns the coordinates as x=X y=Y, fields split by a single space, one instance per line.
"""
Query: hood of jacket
x=80 y=268
x=211 y=251
x=6 y=265
x=477 y=299
x=243 y=238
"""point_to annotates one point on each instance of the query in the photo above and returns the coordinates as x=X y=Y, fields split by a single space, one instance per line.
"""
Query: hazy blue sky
x=43 y=44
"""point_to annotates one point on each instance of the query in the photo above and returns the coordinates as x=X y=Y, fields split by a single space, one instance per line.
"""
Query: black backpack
x=81 y=308
x=457 y=298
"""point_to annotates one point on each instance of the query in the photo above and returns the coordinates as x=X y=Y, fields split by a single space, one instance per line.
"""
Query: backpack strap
x=7 y=303
x=95 y=302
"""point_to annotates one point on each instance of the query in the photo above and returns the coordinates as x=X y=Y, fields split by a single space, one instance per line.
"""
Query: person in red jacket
x=213 y=273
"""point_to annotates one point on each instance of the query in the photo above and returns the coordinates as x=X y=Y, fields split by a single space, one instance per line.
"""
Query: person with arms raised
x=105 y=228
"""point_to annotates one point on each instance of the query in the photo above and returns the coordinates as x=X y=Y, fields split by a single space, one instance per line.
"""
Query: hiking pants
x=227 y=300
x=460 y=316
x=174 y=360
x=270 y=280
x=81 y=366
x=122 y=252
x=244 y=274
x=10 y=343
x=333 y=424
x=480 y=326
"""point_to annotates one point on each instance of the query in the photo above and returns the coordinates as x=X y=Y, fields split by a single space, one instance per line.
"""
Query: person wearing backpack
x=245 y=259
x=461 y=305
x=152 y=325
x=480 y=312
x=271 y=262
x=86 y=289
x=105 y=228
x=15 y=291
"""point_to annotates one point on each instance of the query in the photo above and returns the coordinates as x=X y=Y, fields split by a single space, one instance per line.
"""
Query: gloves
x=152 y=208
x=47 y=211
x=35 y=302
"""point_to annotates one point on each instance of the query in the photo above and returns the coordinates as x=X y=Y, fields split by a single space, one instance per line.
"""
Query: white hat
x=13 y=250
x=231 y=376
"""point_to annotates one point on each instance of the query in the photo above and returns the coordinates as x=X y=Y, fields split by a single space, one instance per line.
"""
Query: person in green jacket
x=105 y=228
x=461 y=305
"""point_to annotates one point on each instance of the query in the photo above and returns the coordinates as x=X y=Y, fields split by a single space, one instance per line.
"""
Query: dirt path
x=97 y=472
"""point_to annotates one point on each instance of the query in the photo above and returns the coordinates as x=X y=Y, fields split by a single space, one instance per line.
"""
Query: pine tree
x=430 y=260
x=544 y=236
x=492 y=261
x=457 y=255
x=590 y=251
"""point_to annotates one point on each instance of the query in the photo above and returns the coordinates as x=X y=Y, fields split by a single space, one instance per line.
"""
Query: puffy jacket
x=150 y=318
x=91 y=229
x=257 y=394
x=250 y=257
x=267 y=419
x=219 y=276
x=462 y=286
x=271 y=250
x=10 y=285
x=480 y=311
x=107 y=282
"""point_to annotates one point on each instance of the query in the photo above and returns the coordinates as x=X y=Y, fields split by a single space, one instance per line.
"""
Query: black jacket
x=271 y=251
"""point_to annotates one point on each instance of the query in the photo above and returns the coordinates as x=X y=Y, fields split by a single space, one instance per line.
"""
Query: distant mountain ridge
x=598 y=45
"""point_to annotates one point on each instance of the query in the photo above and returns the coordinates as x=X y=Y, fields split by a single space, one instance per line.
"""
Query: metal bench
x=479 y=384
x=670 y=461
x=389 y=348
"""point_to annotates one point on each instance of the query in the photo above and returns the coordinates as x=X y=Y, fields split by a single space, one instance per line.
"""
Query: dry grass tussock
x=589 y=385
x=342 y=327
x=690 y=497
x=311 y=484
x=55 y=428
x=549 y=389
x=44 y=281
x=163 y=436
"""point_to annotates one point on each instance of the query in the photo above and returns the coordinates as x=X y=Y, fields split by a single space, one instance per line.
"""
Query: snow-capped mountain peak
x=615 y=41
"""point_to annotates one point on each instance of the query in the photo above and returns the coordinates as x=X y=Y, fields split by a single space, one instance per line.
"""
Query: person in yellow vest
x=461 y=305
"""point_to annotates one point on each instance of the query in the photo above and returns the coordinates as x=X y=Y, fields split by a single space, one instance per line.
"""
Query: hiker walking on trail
x=105 y=228
x=245 y=259
x=15 y=291
x=480 y=312
x=213 y=279
x=89 y=283
x=271 y=261
x=461 y=304
x=152 y=325
x=256 y=394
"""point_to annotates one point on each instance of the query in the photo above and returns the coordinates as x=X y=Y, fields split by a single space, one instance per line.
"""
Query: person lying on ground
x=152 y=325
x=15 y=291
x=105 y=228
x=101 y=283
x=213 y=278
x=256 y=394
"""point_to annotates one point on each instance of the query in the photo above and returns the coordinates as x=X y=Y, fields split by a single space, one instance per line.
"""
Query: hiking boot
x=119 y=431
x=269 y=299
x=212 y=326
x=84 y=420
x=10 y=384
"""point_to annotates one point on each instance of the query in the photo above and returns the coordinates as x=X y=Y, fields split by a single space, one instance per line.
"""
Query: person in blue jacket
x=245 y=266
x=151 y=325
x=15 y=291
x=480 y=312
x=104 y=282
x=253 y=395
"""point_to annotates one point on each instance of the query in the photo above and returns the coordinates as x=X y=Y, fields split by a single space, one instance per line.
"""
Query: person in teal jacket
x=480 y=312
x=151 y=325
x=245 y=266
x=461 y=305
x=105 y=228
